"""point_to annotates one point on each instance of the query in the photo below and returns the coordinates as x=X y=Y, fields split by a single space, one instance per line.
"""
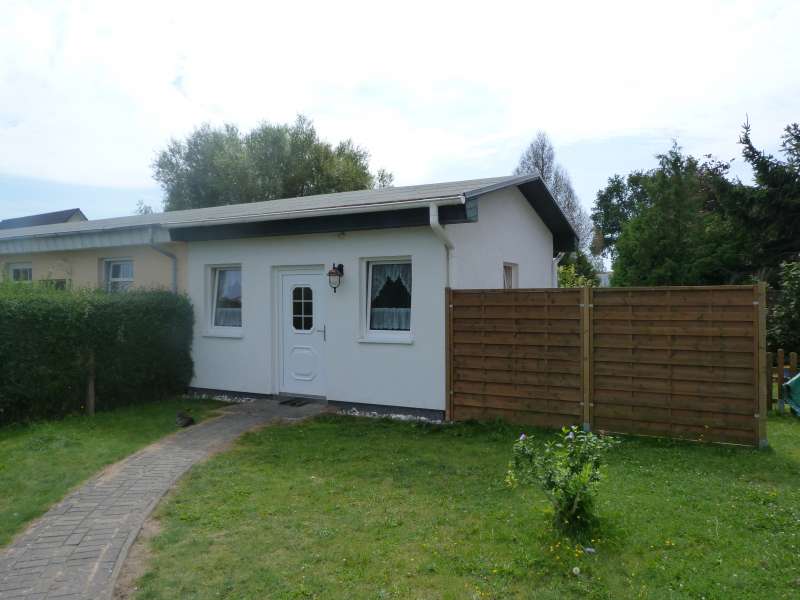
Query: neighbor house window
x=509 y=276
x=227 y=297
x=20 y=272
x=119 y=275
x=389 y=296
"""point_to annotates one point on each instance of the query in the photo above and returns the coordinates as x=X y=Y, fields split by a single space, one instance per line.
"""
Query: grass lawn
x=40 y=463
x=341 y=507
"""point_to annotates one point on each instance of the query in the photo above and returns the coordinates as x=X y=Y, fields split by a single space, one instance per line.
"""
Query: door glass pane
x=302 y=309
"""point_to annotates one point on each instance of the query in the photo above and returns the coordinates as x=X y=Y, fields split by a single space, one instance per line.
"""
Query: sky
x=435 y=91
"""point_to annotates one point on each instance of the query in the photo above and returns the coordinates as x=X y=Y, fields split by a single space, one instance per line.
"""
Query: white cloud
x=88 y=90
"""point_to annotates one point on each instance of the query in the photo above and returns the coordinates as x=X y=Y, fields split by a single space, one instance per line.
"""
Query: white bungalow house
x=261 y=277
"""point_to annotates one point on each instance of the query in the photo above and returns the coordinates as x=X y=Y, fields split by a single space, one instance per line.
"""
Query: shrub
x=140 y=341
x=783 y=327
x=567 y=470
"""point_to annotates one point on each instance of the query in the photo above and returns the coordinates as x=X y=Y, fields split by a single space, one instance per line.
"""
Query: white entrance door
x=302 y=317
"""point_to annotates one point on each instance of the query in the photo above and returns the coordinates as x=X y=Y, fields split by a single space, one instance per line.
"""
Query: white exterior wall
x=397 y=374
x=508 y=231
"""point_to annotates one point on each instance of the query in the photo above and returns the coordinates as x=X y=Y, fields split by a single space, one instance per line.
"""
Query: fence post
x=761 y=371
x=448 y=343
x=90 y=377
x=779 y=367
x=768 y=380
x=586 y=357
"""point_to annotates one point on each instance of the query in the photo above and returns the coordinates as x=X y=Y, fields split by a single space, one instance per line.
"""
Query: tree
x=674 y=239
x=784 y=310
x=577 y=270
x=219 y=166
x=616 y=204
x=539 y=158
x=770 y=210
x=383 y=179
x=143 y=209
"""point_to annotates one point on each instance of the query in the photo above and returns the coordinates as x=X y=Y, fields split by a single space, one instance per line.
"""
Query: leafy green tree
x=674 y=239
x=769 y=211
x=616 y=204
x=219 y=166
x=577 y=270
x=568 y=277
x=783 y=325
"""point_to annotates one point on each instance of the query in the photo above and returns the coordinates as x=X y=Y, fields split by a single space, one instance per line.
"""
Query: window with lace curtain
x=389 y=289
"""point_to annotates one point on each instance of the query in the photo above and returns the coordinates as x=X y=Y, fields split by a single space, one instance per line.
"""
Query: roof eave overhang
x=85 y=240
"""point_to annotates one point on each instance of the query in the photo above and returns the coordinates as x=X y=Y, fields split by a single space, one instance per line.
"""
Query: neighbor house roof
x=363 y=209
x=51 y=218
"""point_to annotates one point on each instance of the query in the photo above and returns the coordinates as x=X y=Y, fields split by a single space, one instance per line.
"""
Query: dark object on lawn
x=184 y=419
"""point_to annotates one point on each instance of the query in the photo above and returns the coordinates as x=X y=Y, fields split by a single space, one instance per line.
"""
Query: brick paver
x=77 y=548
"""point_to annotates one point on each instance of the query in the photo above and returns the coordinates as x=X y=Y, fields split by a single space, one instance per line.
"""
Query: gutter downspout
x=438 y=230
x=558 y=258
x=169 y=255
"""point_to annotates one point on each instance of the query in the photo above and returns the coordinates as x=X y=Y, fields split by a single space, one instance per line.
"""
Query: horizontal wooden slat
x=667 y=342
x=507 y=390
x=683 y=372
x=688 y=329
x=516 y=364
x=534 y=339
x=737 y=297
x=519 y=404
x=519 y=377
x=521 y=417
x=680 y=401
x=670 y=356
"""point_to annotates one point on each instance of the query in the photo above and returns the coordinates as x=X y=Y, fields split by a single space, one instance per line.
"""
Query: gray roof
x=60 y=216
x=266 y=208
x=155 y=227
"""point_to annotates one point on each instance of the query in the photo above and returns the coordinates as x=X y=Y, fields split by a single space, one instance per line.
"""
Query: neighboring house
x=71 y=215
x=267 y=320
x=67 y=250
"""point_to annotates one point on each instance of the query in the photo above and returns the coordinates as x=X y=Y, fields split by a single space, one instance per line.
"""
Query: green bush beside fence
x=140 y=342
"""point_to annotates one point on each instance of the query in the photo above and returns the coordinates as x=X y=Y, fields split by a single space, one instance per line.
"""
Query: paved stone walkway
x=77 y=548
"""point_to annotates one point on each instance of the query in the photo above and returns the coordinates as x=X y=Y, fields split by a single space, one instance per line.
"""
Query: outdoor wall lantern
x=335 y=276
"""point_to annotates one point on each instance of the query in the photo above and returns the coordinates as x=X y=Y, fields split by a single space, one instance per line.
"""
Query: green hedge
x=141 y=341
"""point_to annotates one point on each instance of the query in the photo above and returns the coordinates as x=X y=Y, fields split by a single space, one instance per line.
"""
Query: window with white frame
x=227 y=297
x=20 y=272
x=509 y=276
x=389 y=296
x=119 y=275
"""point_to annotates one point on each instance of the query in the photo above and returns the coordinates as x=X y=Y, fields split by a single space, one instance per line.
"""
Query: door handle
x=324 y=331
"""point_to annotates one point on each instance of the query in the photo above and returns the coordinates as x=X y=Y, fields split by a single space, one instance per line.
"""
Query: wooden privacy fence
x=685 y=362
x=781 y=367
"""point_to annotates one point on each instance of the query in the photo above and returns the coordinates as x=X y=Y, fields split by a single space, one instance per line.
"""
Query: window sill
x=386 y=339
x=223 y=333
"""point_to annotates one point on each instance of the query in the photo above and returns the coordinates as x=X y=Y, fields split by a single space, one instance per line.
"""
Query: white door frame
x=278 y=346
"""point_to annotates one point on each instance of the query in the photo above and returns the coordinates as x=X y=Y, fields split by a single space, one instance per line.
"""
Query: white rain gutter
x=169 y=255
x=438 y=230
x=556 y=261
